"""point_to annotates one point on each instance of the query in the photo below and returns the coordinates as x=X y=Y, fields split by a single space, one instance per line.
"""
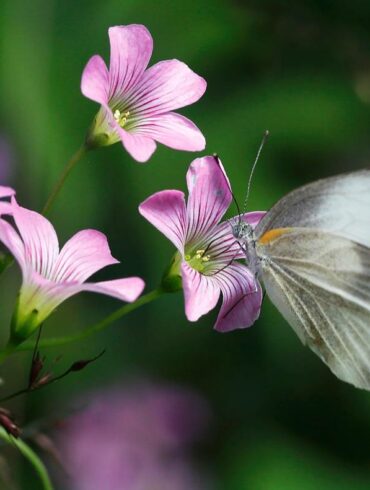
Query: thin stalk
x=97 y=327
x=31 y=456
x=67 y=170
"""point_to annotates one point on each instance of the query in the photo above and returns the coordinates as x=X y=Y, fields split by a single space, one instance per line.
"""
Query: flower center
x=120 y=117
x=198 y=260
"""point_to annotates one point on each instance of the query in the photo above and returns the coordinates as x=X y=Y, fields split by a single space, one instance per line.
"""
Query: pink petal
x=127 y=289
x=253 y=218
x=40 y=295
x=84 y=254
x=140 y=147
x=10 y=238
x=130 y=51
x=95 y=80
x=6 y=191
x=172 y=130
x=6 y=208
x=209 y=196
x=164 y=87
x=166 y=211
x=201 y=292
x=242 y=298
x=40 y=240
x=43 y=295
x=221 y=245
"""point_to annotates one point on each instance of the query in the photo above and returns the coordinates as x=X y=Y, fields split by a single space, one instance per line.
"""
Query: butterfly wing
x=338 y=204
x=320 y=282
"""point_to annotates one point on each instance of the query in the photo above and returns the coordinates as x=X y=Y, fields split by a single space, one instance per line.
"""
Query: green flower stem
x=67 y=170
x=97 y=327
x=32 y=457
x=6 y=260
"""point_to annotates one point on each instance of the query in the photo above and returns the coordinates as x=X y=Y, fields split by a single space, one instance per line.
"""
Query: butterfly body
x=244 y=234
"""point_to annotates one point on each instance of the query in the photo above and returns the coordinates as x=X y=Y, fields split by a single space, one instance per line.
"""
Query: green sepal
x=100 y=134
x=96 y=140
x=22 y=326
x=171 y=279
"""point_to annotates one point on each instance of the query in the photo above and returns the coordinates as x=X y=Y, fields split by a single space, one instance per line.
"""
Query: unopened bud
x=36 y=368
x=8 y=423
x=79 y=365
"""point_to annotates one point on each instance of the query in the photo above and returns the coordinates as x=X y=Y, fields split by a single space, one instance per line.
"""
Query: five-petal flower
x=51 y=276
x=137 y=103
x=208 y=249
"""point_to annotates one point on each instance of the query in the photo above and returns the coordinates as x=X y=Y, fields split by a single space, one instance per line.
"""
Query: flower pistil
x=198 y=260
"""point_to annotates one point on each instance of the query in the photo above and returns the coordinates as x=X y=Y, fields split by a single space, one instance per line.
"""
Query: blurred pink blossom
x=135 y=439
x=136 y=102
x=208 y=248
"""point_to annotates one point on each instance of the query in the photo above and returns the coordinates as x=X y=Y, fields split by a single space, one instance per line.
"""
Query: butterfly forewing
x=320 y=282
x=338 y=204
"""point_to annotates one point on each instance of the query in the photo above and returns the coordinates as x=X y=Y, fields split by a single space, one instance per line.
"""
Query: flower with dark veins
x=207 y=248
x=137 y=103
x=50 y=276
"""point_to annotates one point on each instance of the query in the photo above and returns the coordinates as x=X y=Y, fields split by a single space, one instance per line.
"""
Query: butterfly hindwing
x=320 y=282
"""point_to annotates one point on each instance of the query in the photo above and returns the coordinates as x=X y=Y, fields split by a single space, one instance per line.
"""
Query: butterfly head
x=242 y=231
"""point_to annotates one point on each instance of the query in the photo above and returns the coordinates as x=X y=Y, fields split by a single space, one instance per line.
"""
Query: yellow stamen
x=121 y=118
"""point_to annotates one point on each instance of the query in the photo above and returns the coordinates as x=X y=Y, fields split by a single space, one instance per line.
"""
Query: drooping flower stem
x=32 y=457
x=76 y=157
x=97 y=327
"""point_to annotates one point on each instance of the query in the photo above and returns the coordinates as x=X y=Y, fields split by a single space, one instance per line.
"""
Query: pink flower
x=135 y=439
x=137 y=103
x=208 y=249
x=51 y=276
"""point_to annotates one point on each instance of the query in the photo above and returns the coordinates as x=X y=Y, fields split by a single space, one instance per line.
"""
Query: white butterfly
x=312 y=253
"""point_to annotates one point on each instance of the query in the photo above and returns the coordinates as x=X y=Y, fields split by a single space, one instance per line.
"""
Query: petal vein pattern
x=50 y=277
x=136 y=102
x=208 y=248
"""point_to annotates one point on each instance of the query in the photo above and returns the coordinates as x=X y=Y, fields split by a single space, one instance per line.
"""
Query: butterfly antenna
x=264 y=139
x=217 y=158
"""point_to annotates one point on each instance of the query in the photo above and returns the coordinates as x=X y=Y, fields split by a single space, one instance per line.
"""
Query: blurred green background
x=281 y=420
